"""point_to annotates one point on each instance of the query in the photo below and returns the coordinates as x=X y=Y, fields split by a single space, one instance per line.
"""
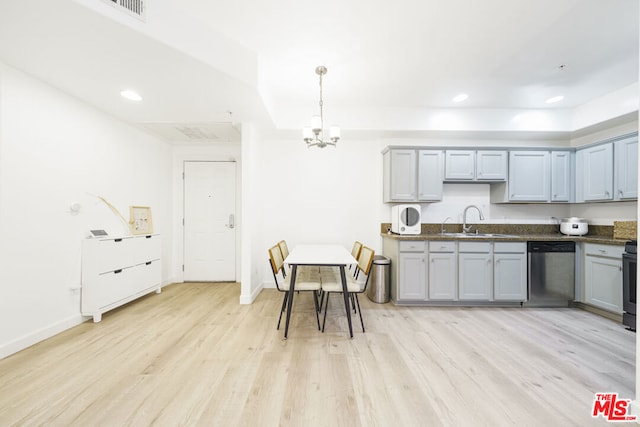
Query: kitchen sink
x=473 y=235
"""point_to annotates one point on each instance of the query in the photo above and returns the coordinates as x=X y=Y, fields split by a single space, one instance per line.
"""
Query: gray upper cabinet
x=472 y=165
x=626 y=168
x=400 y=182
x=561 y=176
x=537 y=176
x=608 y=171
x=597 y=172
x=529 y=176
x=430 y=183
x=412 y=175
x=491 y=165
x=460 y=165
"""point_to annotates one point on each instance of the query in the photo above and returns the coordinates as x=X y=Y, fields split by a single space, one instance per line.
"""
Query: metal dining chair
x=332 y=283
x=306 y=280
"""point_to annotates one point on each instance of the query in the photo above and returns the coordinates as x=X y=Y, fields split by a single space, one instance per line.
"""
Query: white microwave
x=405 y=219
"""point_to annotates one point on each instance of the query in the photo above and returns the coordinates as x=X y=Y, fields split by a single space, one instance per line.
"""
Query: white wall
x=252 y=220
x=313 y=195
x=55 y=150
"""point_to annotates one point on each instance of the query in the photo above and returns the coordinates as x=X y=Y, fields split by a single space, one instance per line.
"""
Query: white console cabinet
x=116 y=270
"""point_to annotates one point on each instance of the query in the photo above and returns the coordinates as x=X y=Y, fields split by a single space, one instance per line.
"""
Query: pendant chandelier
x=314 y=135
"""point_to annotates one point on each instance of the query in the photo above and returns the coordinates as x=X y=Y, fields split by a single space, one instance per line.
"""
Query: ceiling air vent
x=132 y=7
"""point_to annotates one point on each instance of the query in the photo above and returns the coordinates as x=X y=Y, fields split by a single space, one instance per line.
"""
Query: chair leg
x=359 y=311
x=353 y=302
x=326 y=307
x=284 y=304
x=315 y=302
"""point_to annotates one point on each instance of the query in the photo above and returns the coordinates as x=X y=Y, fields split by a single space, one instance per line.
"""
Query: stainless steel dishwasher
x=551 y=278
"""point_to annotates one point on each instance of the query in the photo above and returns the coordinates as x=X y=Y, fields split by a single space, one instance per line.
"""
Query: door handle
x=232 y=219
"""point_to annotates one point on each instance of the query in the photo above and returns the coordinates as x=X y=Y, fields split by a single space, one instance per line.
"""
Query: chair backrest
x=355 y=251
x=283 y=249
x=276 y=260
x=365 y=260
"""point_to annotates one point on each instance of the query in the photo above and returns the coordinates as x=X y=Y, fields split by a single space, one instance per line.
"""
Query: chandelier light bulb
x=316 y=124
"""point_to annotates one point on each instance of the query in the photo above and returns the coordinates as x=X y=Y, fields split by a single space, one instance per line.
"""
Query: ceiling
x=204 y=66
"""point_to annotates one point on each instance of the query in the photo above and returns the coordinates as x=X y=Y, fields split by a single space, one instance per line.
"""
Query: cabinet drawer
x=412 y=246
x=112 y=287
x=509 y=247
x=609 y=251
x=474 y=247
x=435 y=246
x=106 y=255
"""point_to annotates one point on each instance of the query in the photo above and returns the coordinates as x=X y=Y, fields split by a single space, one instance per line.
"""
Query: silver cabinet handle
x=232 y=220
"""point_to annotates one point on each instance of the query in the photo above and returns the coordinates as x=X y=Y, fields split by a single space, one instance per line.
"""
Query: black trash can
x=378 y=288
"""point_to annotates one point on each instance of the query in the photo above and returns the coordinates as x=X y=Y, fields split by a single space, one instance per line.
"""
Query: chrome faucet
x=442 y=225
x=466 y=229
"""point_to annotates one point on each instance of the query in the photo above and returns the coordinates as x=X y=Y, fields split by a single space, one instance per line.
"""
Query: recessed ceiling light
x=554 y=99
x=131 y=95
x=460 y=97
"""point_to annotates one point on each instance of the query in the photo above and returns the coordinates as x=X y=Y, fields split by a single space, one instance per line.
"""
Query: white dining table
x=321 y=255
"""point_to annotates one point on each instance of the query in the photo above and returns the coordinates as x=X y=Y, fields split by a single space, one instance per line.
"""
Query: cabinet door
x=626 y=168
x=603 y=282
x=529 y=176
x=460 y=165
x=598 y=172
x=491 y=165
x=510 y=277
x=561 y=176
x=402 y=176
x=442 y=276
x=430 y=175
x=475 y=276
x=412 y=276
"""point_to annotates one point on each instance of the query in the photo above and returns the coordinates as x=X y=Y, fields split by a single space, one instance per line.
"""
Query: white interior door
x=209 y=221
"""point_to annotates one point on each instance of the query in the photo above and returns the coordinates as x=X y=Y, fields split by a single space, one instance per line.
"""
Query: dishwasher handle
x=548 y=246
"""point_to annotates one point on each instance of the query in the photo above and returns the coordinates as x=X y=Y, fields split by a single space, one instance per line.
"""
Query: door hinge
x=182 y=267
x=183 y=222
x=182 y=175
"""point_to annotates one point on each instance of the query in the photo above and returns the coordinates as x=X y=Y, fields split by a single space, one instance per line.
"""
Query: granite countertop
x=602 y=234
x=606 y=240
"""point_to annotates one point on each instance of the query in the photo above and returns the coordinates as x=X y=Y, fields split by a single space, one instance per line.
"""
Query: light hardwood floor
x=193 y=356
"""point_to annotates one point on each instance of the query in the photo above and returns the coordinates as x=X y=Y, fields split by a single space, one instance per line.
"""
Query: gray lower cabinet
x=510 y=271
x=443 y=281
x=412 y=275
x=456 y=271
x=475 y=271
x=408 y=269
x=603 y=276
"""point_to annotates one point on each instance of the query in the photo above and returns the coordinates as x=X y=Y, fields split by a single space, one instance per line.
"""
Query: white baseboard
x=32 y=338
x=249 y=299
